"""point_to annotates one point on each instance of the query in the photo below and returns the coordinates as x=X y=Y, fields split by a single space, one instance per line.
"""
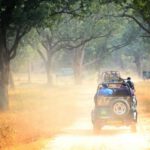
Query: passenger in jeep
x=104 y=90
x=124 y=90
x=130 y=83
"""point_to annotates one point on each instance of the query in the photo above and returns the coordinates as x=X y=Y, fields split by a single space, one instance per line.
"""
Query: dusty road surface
x=79 y=135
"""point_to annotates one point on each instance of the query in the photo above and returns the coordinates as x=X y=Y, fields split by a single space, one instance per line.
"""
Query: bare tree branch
x=13 y=49
x=137 y=21
x=19 y=34
x=71 y=46
x=113 y=49
x=133 y=18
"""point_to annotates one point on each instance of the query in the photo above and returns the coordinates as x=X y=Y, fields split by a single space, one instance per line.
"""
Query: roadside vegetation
x=143 y=96
x=36 y=112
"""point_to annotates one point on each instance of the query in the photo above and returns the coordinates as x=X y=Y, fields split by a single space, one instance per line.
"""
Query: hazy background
x=51 y=53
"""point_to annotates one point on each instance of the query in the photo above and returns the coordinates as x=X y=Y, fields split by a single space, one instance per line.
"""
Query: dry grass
x=143 y=96
x=36 y=112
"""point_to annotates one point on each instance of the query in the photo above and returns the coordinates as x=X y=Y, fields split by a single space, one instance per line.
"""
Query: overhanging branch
x=107 y=51
x=137 y=21
x=71 y=46
x=19 y=34
x=133 y=18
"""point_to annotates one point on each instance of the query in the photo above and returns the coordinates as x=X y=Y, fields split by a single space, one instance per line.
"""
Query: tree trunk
x=137 y=60
x=29 y=72
x=49 y=76
x=11 y=80
x=4 y=72
x=120 y=62
x=48 y=64
x=4 y=78
x=49 y=70
x=78 y=64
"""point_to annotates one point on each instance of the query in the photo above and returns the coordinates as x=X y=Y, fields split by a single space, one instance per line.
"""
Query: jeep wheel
x=120 y=108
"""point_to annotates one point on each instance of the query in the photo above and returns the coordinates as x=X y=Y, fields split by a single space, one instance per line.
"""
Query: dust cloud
x=64 y=111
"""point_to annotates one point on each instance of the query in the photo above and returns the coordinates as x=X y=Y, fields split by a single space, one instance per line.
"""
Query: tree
x=16 y=19
x=77 y=34
x=137 y=10
x=141 y=10
x=24 y=58
x=50 y=44
x=70 y=34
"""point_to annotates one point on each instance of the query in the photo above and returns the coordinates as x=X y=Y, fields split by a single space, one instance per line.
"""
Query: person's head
x=104 y=85
x=129 y=78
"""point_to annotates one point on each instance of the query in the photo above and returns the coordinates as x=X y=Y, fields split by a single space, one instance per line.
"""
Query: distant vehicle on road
x=109 y=76
x=146 y=75
x=64 y=72
x=64 y=75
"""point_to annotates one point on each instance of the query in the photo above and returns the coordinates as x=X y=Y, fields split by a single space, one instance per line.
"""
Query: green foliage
x=23 y=15
x=74 y=31
x=143 y=7
x=26 y=54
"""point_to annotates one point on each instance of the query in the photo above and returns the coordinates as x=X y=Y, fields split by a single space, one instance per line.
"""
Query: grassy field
x=143 y=96
x=36 y=112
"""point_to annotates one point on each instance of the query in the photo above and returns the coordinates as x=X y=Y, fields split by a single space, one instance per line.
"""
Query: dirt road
x=79 y=135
